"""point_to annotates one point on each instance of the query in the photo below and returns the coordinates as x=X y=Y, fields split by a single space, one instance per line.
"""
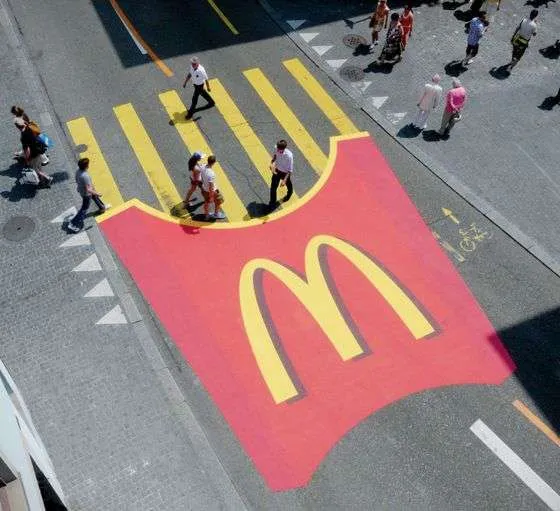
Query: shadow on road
x=533 y=346
x=500 y=73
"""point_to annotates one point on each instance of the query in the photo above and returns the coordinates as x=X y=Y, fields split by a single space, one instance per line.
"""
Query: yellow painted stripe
x=320 y=97
x=98 y=169
x=254 y=148
x=223 y=17
x=195 y=141
x=287 y=119
x=536 y=421
x=148 y=157
x=157 y=61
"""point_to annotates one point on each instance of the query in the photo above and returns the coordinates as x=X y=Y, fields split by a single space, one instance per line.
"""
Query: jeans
x=276 y=178
x=199 y=91
x=78 y=220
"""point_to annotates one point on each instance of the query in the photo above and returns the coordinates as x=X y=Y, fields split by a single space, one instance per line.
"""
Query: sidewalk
x=503 y=156
x=115 y=424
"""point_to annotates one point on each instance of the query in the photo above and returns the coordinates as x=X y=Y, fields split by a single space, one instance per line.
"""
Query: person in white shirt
x=282 y=166
x=430 y=98
x=211 y=192
x=199 y=78
x=520 y=40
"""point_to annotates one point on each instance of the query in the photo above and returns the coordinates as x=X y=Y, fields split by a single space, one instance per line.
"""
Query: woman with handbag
x=392 y=50
x=521 y=37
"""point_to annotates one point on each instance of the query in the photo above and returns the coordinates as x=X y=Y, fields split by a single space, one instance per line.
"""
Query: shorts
x=472 y=49
x=218 y=197
x=196 y=183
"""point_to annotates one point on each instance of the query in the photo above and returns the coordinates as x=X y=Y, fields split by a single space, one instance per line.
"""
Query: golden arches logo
x=315 y=295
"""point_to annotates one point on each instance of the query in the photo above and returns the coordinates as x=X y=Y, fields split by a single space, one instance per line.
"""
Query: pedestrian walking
x=521 y=37
x=195 y=175
x=199 y=78
x=429 y=99
x=477 y=26
x=211 y=192
x=392 y=49
x=282 y=167
x=85 y=188
x=454 y=103
x=378 y=21
x=407 y=22
x=32 y=151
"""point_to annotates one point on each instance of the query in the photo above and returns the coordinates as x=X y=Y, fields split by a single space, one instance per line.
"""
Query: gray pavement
x=127 y=422
x=503 y=156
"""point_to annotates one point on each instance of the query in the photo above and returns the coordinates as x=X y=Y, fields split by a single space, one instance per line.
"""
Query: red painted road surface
x=191 y=278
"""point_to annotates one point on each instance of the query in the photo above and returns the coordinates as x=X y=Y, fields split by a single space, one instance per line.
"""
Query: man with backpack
x=33 y=149
x=520 y=40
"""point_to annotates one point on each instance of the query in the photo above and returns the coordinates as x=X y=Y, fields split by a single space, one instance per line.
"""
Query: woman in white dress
x=429 y=100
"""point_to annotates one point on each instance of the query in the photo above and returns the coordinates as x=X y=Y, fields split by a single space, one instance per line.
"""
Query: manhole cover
x=18 y=228
x=354 y=40
x=352 y=73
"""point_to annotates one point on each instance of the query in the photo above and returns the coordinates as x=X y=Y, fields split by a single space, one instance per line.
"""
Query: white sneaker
x=219 y=216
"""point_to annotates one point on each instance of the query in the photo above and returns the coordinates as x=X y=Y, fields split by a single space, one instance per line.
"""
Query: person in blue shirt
x=477 y=26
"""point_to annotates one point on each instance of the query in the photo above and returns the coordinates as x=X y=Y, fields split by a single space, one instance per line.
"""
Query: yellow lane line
x=537 y=421
x=148 y=157
x=103 y=181
x=157 y=61
x=248 y=139
x=223 y=17
x=194 y=141
x=287 y=119
x=320 y=97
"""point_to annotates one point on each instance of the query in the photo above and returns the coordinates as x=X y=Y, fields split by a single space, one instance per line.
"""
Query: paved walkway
x=503 y=156
x=117 y=428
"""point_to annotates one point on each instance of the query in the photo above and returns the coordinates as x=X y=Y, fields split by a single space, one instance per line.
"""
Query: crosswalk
x=153 y=167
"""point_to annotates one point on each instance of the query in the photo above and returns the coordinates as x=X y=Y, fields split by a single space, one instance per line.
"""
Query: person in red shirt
x=454 y=103
x=378 y=21
x=407 y=21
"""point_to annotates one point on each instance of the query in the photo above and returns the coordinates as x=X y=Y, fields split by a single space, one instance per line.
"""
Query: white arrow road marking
x=89 y=264
x=361 y=86
x=114 y=317
x=77 y=240
x=308 y=36
x=70 y=212
x=396 y=117
x=516 y=465
x=335 y=64
x=295 y=24
x=136 y=42
x=377 y=101
x=101 y=289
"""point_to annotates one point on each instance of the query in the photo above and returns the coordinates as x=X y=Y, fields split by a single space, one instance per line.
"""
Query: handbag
x=29 y=177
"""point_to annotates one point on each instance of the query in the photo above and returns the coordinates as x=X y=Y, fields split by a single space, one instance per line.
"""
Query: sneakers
x=73 y=228
x=219 y=215
x=101 y=211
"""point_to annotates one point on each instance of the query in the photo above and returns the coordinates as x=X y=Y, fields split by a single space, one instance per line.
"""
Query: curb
x=208 y=460
x=513 y=231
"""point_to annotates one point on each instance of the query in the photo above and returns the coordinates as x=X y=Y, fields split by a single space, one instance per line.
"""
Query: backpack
x=34 y=128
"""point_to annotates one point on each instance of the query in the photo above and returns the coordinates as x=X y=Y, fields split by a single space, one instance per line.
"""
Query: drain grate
x=352 y=73
x=354 y=40
x=18 y=228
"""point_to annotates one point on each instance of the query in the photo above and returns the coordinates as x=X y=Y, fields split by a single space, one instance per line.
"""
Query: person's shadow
x=409 y=131
x=361 y=50
x=378 y=67
x=432 y=136
x=551 y=52
x=538 y=3
x=259 y=210
x=464 y=16
x=549 y=103
x=455 y=68
x=451 y=6
x=500 y=73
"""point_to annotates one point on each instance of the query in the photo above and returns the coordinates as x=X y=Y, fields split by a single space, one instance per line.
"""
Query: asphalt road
x=418 y=453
